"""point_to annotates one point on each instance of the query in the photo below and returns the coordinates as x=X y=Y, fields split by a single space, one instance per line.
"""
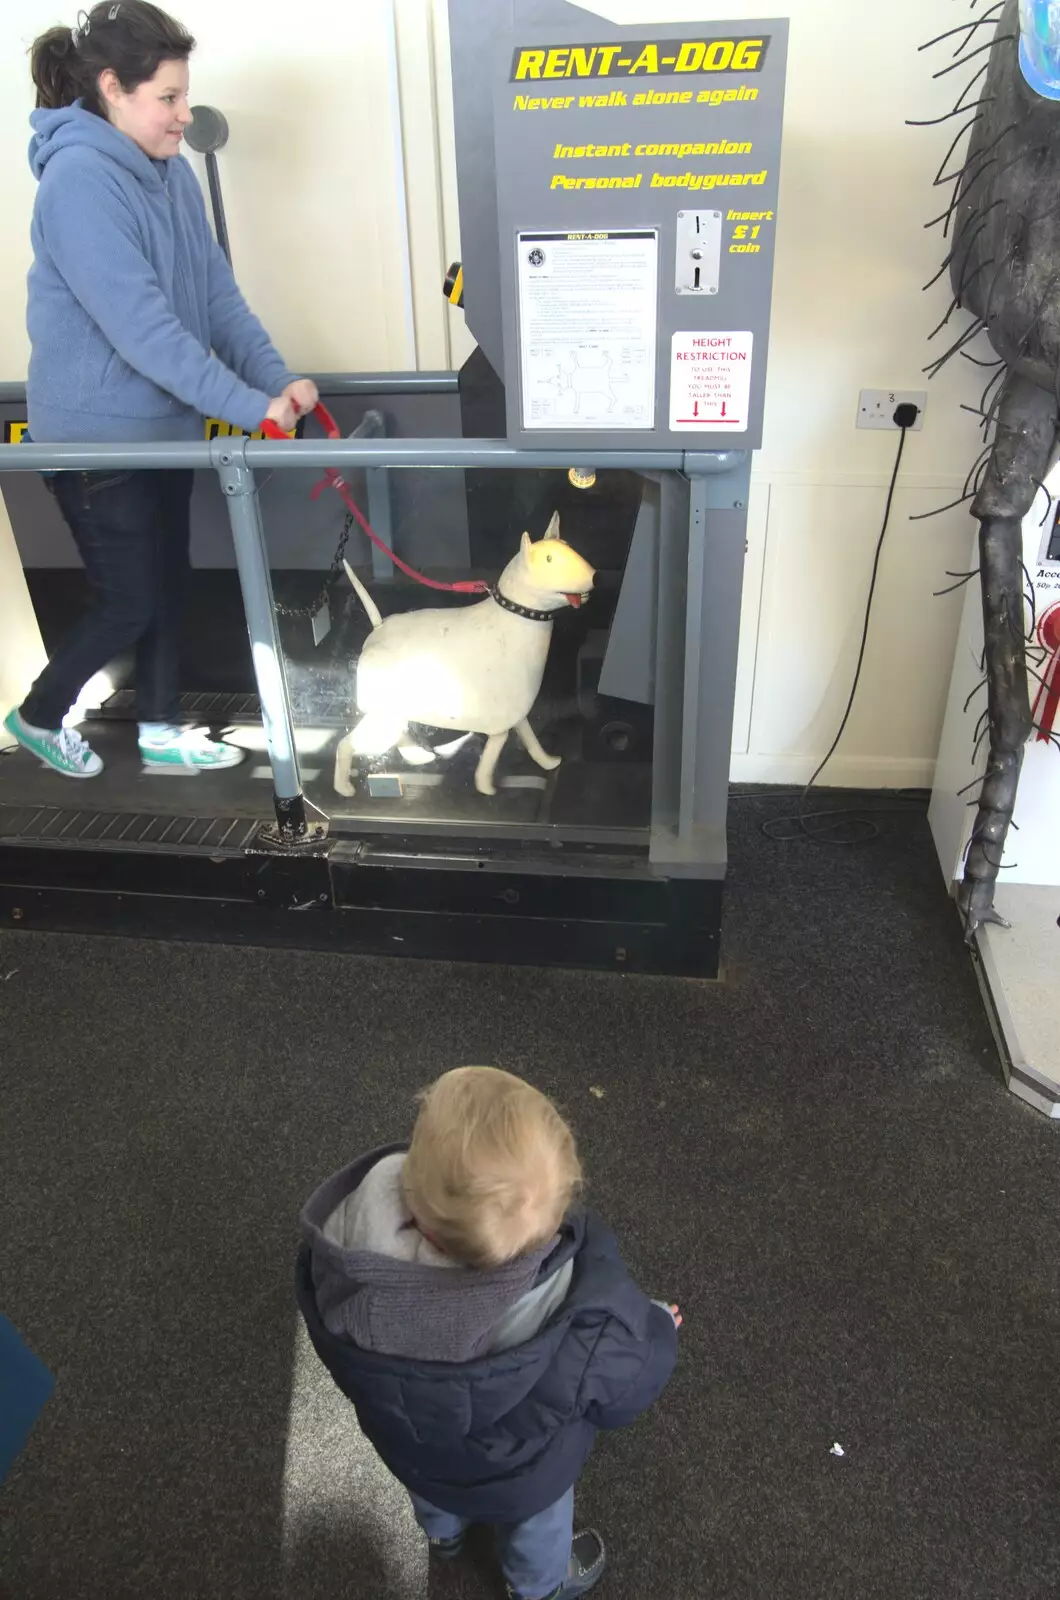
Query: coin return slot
x=699 y=245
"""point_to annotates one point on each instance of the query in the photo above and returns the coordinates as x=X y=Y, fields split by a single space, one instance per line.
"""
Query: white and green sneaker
x=62 y=749
x=169 y=749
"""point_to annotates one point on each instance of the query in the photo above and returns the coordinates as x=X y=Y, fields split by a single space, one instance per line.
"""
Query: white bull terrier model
x=477 y=669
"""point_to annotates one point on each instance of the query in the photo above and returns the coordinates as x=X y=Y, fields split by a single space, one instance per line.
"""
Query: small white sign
x=710 y=382
x=588 y=306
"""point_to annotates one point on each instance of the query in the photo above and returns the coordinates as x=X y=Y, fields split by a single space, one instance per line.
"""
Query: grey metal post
x=377 y=484
x=628 y=669
x=717 y=551
x=691 y=803
x=238 y=486
x=220 y=221
x=701 y=561
x=379 y=515
x=669 y=638
x=207 y=134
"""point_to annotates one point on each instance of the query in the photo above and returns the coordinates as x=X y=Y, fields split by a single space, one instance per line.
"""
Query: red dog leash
x=333 y=479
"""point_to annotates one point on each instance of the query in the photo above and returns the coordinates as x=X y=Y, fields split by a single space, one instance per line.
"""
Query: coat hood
x=412 y=1307
x=72 y=127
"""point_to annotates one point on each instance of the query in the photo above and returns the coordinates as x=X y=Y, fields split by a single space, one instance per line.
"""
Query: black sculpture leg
x=1020 y=459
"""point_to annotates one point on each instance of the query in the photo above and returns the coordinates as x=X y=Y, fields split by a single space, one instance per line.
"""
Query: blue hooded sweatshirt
x=129 y=293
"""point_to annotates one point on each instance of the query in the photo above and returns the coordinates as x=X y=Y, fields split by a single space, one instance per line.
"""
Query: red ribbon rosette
x=1047 y=703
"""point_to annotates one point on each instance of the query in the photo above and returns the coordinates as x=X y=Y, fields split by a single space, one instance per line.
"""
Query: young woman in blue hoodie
x=137 y=330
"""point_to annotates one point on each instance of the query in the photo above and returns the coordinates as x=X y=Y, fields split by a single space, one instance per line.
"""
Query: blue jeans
x=132 y=531
x=534 y=1555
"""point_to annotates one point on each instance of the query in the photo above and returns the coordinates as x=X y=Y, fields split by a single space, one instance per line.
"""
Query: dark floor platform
x=602 y=801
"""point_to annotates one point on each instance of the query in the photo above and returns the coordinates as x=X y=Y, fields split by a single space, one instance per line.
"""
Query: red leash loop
x=333 y=479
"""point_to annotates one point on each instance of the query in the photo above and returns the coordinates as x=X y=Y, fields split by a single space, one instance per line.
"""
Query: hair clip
x=80 y=29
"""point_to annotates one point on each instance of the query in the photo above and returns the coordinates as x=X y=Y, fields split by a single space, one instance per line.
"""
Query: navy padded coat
x=501 y=1438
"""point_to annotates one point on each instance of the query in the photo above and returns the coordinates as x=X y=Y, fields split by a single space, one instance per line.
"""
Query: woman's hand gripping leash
x=288 y=406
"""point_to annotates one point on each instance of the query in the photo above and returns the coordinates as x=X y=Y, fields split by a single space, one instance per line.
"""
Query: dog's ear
x=524 y=544
x=552 y=531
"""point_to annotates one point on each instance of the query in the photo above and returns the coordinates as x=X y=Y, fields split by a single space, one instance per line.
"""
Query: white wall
x=310 y=173
x=320 y=228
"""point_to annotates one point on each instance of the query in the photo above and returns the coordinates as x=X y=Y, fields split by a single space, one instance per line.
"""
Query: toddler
x=483 y=1323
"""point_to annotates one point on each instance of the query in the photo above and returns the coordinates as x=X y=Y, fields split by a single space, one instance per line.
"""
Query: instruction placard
x=710 y=381
x=588 y=306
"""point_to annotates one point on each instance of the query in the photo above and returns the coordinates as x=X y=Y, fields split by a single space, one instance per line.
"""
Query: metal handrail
x=350 y=454
x=330 y=384
x=269 y=454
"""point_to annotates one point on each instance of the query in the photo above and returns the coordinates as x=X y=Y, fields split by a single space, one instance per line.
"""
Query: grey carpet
x=817 y=1158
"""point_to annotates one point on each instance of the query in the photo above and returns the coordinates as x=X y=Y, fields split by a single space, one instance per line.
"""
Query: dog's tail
x=375 y=616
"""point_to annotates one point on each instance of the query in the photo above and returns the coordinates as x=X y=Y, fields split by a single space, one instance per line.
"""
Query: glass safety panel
x=515 y=706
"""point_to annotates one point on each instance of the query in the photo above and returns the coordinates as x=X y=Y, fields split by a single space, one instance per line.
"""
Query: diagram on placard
x=589 y=383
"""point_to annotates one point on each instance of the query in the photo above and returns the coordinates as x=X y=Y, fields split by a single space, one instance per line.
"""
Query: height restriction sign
x=710 y=381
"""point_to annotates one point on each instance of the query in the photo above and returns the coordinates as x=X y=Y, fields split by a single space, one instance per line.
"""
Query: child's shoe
x=169 y=749
x=447 y=1549
x=587 y=1561
x=62 y=749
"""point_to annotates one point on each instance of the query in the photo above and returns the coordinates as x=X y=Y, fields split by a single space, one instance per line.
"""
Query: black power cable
x=849 y=825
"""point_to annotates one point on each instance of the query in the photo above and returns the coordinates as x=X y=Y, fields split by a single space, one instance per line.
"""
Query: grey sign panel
x=671 y=130
x=476 y=27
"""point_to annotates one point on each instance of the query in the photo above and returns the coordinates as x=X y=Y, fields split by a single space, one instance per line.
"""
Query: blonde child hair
x=492 y=1167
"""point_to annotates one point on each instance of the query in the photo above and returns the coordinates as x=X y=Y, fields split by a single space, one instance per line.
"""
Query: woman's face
x=155 y=114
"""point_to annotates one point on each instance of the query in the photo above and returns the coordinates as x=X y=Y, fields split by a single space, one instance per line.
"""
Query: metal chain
x=336 y=568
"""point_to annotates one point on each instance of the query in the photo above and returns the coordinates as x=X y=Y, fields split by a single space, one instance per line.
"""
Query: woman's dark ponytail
x=131 y=37
x=54 y=66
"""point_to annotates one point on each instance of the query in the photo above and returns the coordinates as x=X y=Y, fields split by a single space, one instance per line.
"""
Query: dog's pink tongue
x=573 y=599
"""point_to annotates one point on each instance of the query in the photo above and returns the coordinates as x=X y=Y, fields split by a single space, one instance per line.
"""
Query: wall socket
x=876 y=407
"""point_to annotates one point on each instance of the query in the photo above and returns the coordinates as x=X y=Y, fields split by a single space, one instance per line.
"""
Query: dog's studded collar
x=514 y=606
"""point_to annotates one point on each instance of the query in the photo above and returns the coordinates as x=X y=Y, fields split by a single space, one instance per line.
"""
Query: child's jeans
x=534 y=1555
